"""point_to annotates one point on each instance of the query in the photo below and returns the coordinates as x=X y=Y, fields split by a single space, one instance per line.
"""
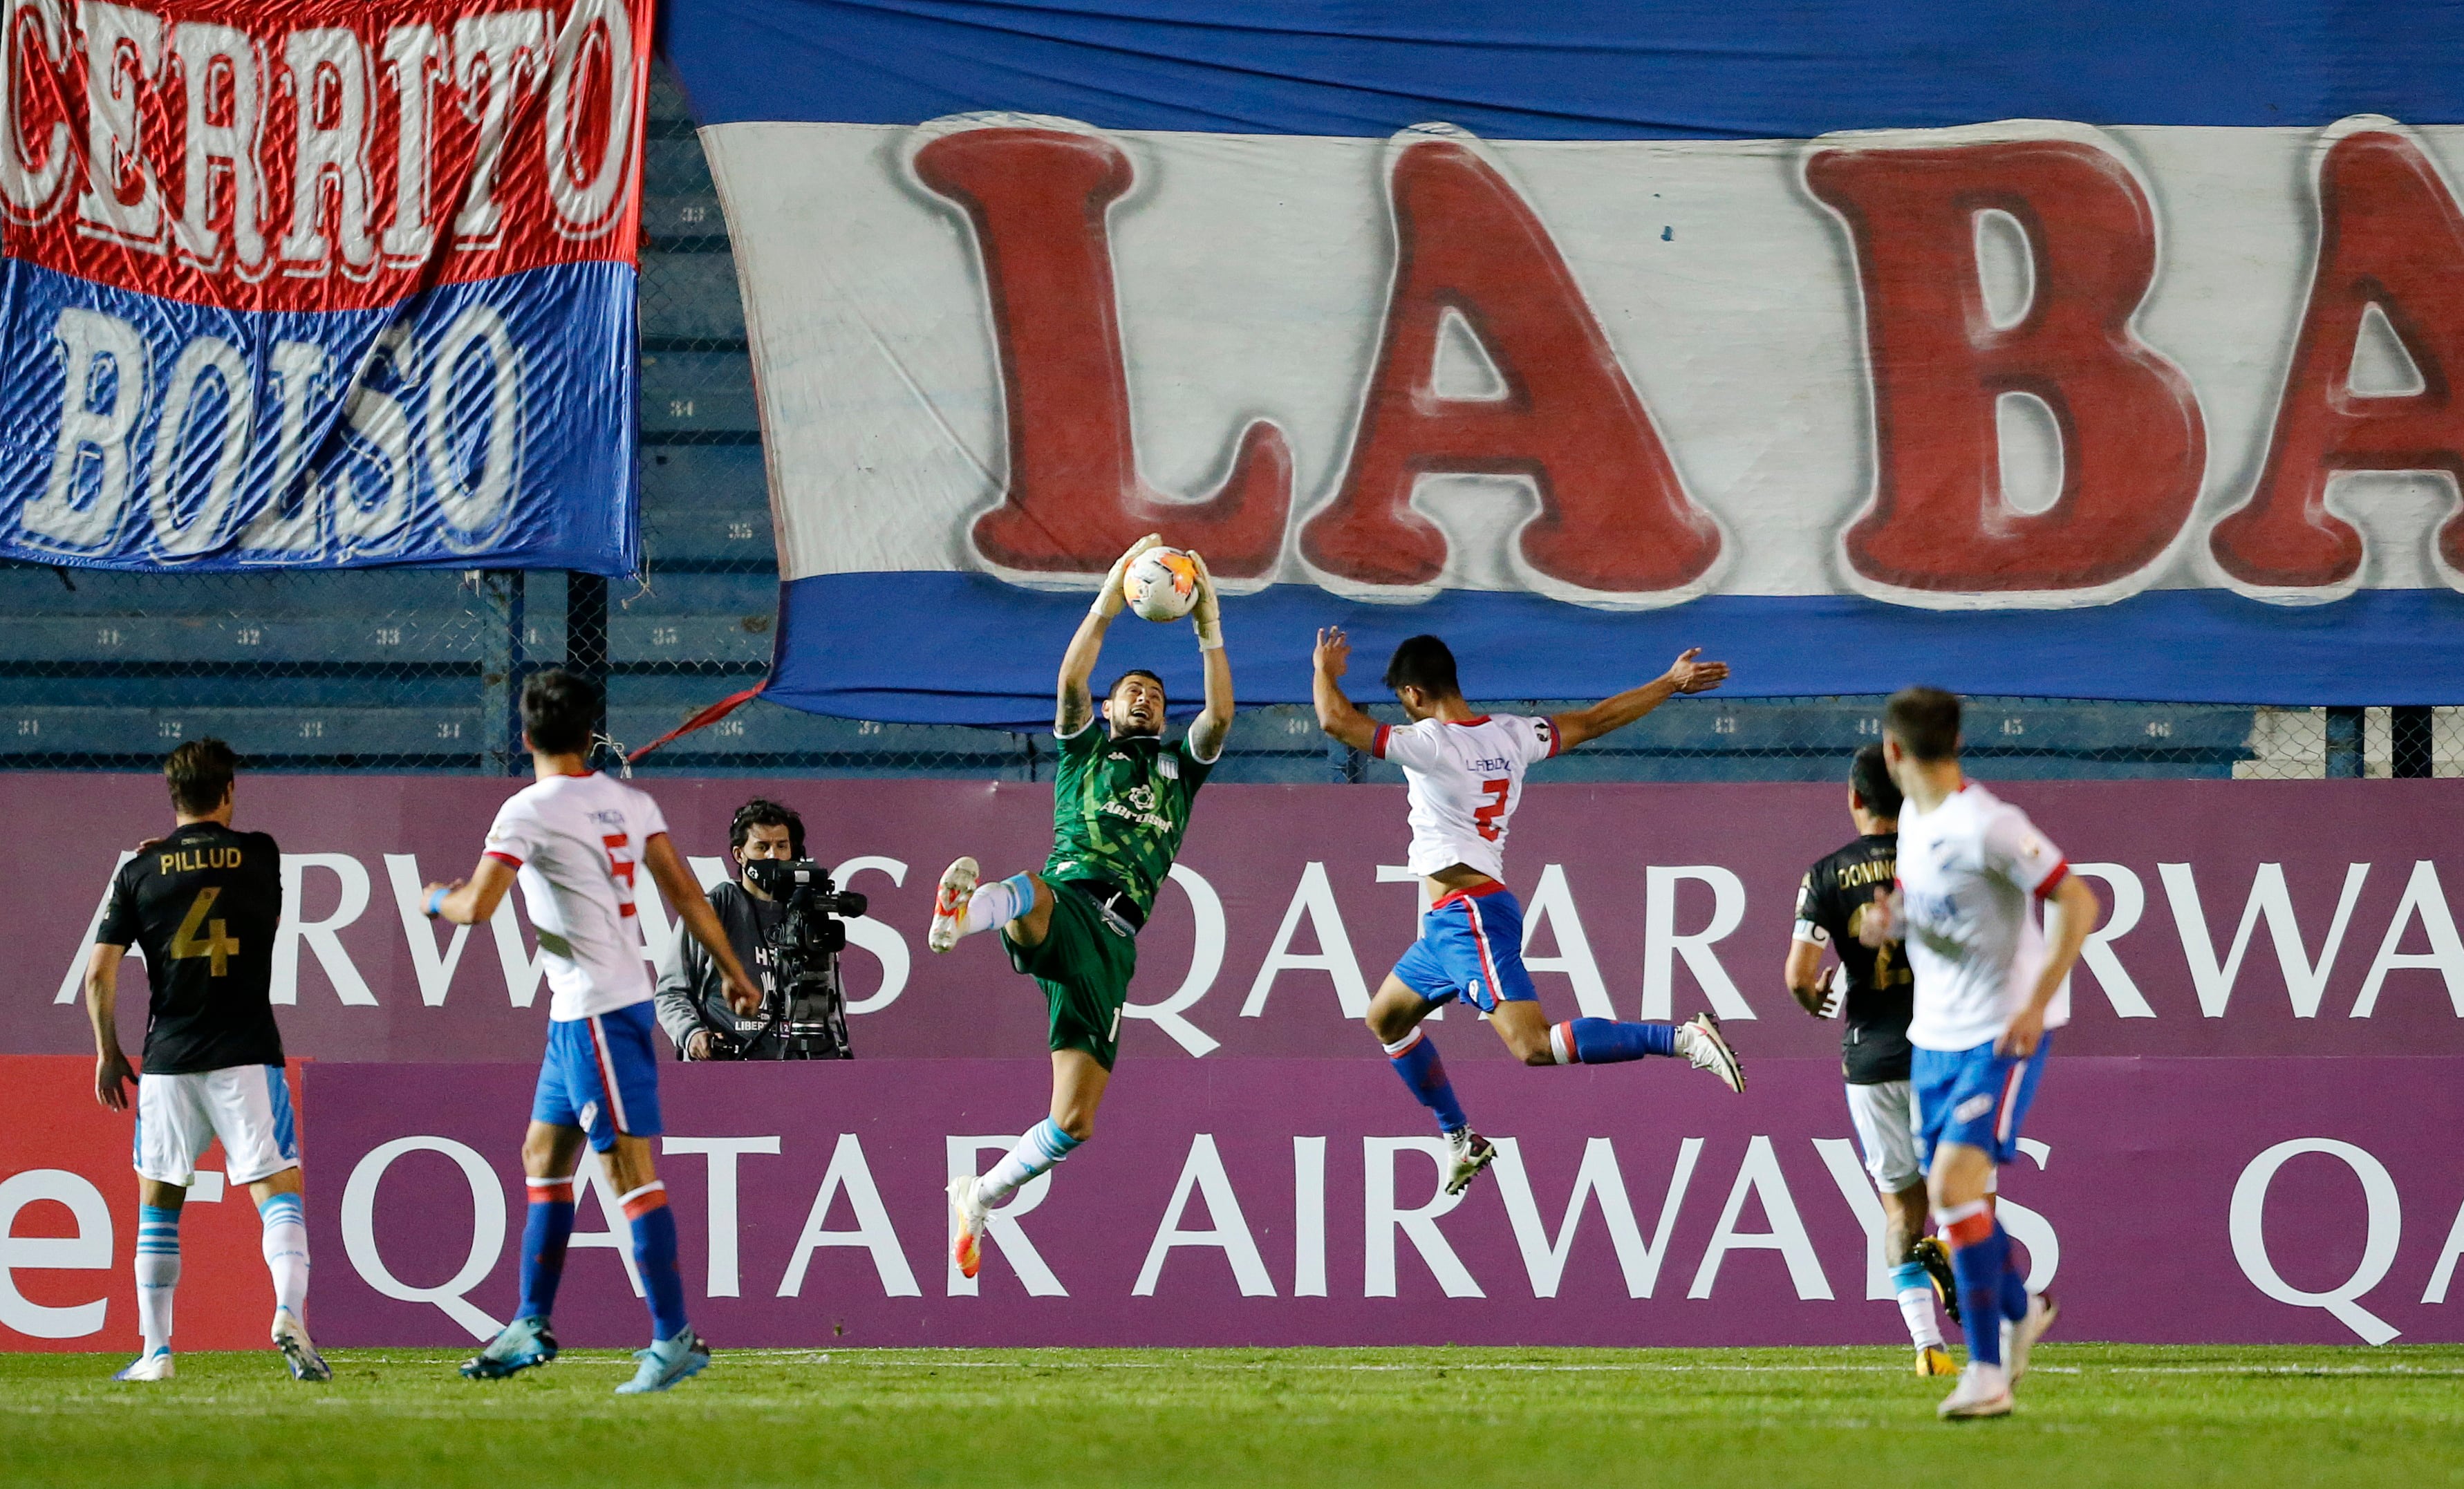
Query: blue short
x=1471 y=948
x=601 y=1075
x=1974 y=1096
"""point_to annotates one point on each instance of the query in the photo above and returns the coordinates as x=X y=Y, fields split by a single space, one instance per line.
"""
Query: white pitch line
x=882 y=1361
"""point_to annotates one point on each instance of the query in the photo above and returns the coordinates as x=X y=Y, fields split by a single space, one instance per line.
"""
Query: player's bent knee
x=1537 y=1055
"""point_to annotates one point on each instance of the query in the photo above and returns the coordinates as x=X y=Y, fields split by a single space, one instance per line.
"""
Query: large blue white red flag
x=320 y=282
x=2107 y=350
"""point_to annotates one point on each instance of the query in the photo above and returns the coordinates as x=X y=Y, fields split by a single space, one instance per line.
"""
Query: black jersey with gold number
x=1831 y=907
x=203 y=904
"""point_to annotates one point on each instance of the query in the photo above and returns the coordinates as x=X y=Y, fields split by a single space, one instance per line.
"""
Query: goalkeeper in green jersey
x=1120 y=804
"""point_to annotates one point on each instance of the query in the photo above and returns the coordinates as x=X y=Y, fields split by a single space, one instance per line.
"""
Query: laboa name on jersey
x=300 y=284
x=1831 y=358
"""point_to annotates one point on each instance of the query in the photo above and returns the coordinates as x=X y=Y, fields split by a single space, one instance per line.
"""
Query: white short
x=248 y=1106
x=1886 y=1115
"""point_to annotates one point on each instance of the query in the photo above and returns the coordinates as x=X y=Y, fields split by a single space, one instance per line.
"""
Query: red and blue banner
x=2106 y=354
x=321 y=284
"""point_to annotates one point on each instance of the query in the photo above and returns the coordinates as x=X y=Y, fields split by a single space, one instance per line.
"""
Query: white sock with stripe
x=1045 y=1146
x=157 y=1273
x=286 y=1251
x=998 y=903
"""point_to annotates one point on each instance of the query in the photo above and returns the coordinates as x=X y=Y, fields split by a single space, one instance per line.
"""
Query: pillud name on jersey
x=204 y=908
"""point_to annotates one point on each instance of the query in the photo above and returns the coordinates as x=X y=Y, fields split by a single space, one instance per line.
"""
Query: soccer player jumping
x=1120 y=804
x=1989 y=987
x=204 y=901
x=1464 y=772
x=574 y=840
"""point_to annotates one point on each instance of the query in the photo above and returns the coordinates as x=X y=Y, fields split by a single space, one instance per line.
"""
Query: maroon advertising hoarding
x=2245 y=1134
x=1280 y=1201
x=2302 y=919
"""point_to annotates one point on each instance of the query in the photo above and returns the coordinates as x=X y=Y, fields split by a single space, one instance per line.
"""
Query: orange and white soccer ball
x=1162 y=584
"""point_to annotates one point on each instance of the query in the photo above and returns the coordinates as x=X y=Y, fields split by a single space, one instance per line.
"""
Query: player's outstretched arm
x=111 y=1072
x=1337 y=713
x=469 y=901
x=1075 y=707
x=1214 y=722
x=675 y=882
x=1610 y=714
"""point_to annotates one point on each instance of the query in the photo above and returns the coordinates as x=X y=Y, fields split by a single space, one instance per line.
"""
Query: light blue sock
x=157 y=1273
x=1043 y=1147
x=997 y=905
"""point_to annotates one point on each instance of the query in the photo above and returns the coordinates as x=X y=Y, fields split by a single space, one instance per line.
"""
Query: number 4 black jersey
x=1881 y=991
x=203 y=904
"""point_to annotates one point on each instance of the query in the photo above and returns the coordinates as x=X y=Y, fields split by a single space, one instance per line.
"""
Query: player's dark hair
x=1423 y=661
x=1137 y=671
x=559 y=711
x=1871 y=779
x=762 y=812
x=1925 y=722
x=199 y=774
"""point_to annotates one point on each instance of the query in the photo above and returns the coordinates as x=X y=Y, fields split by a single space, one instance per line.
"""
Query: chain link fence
x=418 y=670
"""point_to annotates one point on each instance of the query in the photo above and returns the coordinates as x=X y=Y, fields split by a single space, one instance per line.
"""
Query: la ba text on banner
x=2103 y=381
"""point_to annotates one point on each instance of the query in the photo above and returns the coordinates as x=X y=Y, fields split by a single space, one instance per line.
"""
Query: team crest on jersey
x=1168 y=767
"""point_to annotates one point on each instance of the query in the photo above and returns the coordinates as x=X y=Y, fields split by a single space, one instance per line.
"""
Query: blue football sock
x=1606 y=1041
x=546 y=1229
x=1414 y=1058
x=654 y=1252
x=1981 y=1266
x=2014 y=1284
x=1910 y=1276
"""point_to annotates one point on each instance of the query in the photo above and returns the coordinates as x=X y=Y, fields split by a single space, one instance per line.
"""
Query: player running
x=1464 y=772
x=1989 y=985
x=1876 y=989
x=203 y=904
x=1120 y=804
x=574 y=840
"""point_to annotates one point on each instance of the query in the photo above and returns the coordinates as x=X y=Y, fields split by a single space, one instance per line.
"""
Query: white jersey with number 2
x=576 y=842
x=1969 y=871
x=1464 y=778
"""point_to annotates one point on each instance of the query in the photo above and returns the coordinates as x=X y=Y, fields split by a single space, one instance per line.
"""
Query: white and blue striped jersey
x=1464 y=776
x=1969 y=873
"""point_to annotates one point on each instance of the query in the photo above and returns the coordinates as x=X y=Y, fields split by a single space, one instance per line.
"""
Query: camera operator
x=692 y=997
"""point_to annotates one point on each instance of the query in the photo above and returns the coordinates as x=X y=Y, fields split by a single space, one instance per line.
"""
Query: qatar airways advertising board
x=2285 y=919
x=313 y=284
x=1286 y=1202
x=2242 y=1136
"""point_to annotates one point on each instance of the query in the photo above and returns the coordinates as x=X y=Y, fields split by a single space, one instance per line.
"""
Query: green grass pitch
x=1356 y=1418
